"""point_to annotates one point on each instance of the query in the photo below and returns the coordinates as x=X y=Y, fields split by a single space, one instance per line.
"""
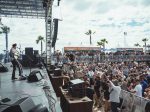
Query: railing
x=105 y=58
x=132 y=103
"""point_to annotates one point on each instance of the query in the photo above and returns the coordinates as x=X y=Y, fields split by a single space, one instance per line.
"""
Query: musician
x=14 y=54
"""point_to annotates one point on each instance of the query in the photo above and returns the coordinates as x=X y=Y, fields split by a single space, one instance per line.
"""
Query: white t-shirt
x=138 y=89
x=90 y=74
x=114 y=93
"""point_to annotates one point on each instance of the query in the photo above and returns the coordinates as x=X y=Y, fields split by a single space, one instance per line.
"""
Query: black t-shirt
x=106 y=90
x=97 y=85
x=89 y=93
x=147 y=107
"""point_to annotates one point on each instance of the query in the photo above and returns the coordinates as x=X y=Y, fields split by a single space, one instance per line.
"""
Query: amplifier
x=57 y=72
x=77 y=88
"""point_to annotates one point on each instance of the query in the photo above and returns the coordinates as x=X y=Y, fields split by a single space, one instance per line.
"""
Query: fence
x=132 y=103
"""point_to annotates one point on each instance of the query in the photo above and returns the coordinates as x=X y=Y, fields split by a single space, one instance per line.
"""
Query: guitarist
x=14 y=54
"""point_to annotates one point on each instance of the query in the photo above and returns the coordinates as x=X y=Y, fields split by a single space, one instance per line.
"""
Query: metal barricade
x=132 y=103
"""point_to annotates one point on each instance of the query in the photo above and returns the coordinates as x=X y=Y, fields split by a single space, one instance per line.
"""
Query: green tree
x=90 y=33
x=100 y=44
x=40 y=39
x=137 y=45
x=145 y=42
x=5 y=30
x=104 y=41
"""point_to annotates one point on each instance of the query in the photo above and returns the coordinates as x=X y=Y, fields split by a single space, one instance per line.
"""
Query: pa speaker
x=36 y=52
x=29 y=51
x=3 y=68
x=22 y=105
x=39 y=108
x=57 y=72
x=35 y=76
x=55 y=32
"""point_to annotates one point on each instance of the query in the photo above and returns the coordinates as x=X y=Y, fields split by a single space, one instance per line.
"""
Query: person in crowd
x=144 y=84
x=147 y=107
x=105 y=89
x=90 y=75
x=97 y=92
x=114 y=99
x=138 y=88
x=66 y=82
x=89 y=90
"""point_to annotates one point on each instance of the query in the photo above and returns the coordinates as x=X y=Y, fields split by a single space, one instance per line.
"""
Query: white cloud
x=109 y=18
x=23 y=31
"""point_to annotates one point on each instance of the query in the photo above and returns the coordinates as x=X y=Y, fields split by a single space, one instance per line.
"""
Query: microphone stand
x=30 y=60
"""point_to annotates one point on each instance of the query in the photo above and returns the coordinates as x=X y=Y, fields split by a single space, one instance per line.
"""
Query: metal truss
x=22 y=8
x=32 y=9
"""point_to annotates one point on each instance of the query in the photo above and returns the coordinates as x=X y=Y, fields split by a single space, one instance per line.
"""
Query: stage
x=18 y=89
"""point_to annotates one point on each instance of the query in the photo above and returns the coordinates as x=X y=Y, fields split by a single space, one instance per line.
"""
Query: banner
x=81 y=48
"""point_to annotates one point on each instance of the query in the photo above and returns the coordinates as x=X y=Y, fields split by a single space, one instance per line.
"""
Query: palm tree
x=104 y=41
x=148 y=47
x=100 y=44
x=89 y=32
x=5 y=30
x=40 y=39
x=137 y=45
x=145 y=40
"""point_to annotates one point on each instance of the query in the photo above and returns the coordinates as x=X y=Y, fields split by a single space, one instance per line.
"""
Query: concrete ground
x=18 y=89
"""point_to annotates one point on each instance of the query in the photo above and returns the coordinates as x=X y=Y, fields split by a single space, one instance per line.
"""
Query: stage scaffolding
x=22 y=8
x=38 y=9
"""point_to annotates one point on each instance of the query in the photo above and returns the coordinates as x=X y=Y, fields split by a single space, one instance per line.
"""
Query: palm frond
x=90 y=31
x=87 y=33
x=100 y=43
x=5 y=29
x=37 y=41
x=40 y=38
x=137 y=44
x=144 y=39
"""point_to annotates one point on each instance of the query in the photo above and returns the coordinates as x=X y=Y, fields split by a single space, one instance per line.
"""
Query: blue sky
x=109 y=18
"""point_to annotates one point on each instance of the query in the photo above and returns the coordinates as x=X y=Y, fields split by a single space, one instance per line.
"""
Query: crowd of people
x=100 y=56
x=107 y=79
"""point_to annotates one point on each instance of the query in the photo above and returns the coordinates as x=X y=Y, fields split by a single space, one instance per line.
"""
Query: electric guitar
x=16 y=55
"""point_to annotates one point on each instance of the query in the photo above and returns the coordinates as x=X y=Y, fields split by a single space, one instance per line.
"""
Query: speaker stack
x=29 y=53
x=36 y=52
x=28 y=58
x=77 y=88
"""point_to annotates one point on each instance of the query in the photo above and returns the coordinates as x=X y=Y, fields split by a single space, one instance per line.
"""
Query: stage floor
x=18 y=89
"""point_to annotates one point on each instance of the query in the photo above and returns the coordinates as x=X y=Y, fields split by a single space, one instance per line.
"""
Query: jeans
x=16 y=63
x=114 y=106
